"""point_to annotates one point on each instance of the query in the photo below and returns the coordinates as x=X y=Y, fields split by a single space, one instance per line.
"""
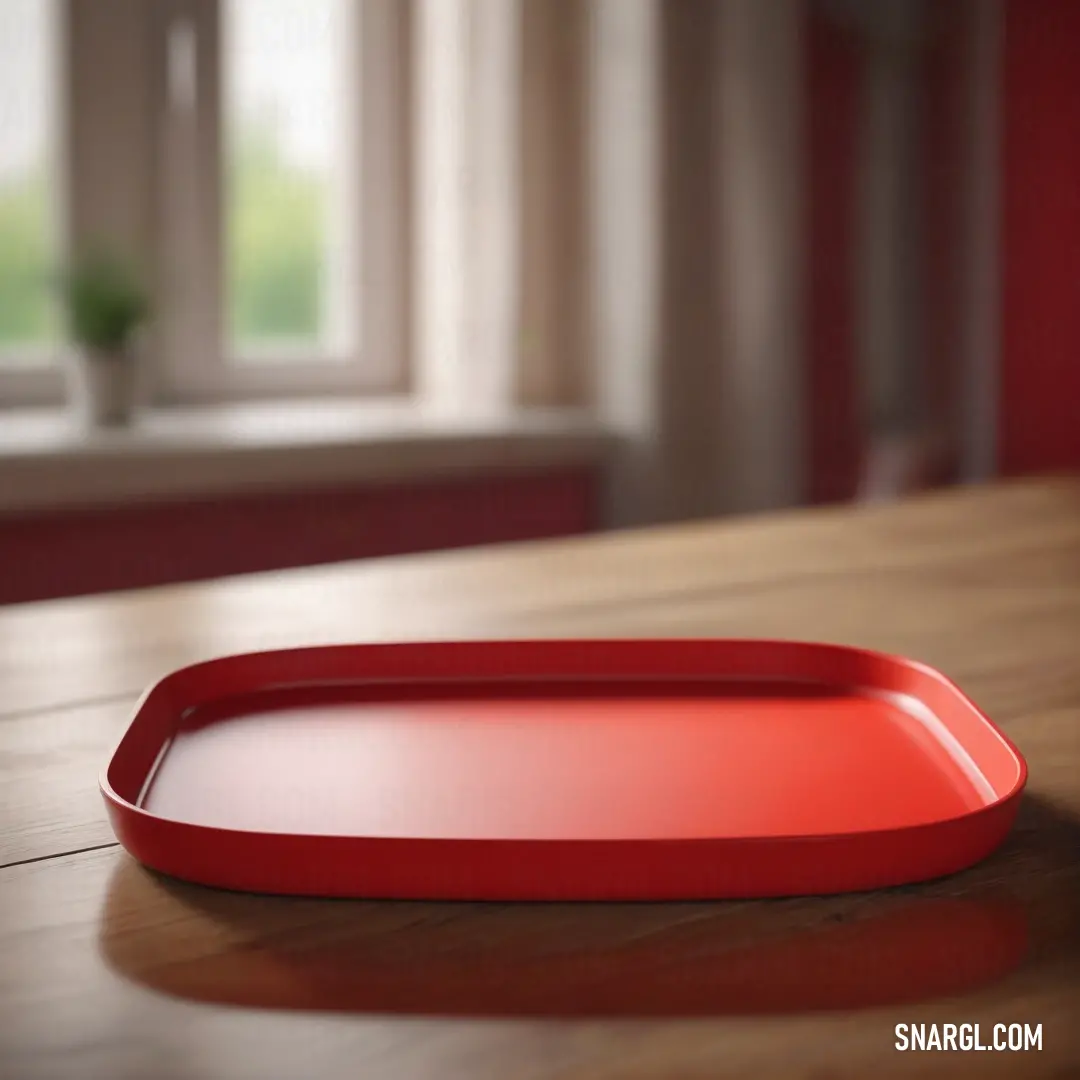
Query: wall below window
x=80 y=551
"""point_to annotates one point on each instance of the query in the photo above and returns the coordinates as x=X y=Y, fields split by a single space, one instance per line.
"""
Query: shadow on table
x=867 y=950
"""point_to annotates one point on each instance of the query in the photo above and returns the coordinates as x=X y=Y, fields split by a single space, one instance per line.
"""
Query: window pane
x=285 y=98
x=27 y=219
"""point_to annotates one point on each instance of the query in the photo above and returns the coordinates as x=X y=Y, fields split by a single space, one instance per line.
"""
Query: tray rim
x=119 y=804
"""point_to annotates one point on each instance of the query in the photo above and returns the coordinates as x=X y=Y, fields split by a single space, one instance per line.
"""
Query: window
x=286 y=177
x=28 y=222
x=324 y=196
x=216 y=144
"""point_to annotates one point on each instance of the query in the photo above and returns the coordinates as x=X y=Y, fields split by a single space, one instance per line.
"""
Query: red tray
x=669 y=769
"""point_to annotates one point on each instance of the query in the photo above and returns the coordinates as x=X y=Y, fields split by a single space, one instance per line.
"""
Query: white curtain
x=610 y=198
x=584 y=238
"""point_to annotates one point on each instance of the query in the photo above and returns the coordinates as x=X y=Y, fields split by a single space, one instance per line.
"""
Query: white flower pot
x=106 y=387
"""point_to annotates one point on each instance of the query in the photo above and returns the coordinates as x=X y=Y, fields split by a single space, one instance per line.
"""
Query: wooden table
x=109 y=971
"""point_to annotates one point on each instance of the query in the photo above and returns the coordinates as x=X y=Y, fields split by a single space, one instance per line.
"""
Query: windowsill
x=47 y=461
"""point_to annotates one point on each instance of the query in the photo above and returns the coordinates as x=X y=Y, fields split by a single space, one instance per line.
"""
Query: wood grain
x=109 y=971
x=49 y=765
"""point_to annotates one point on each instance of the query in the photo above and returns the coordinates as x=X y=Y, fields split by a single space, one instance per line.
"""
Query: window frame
x=187 y=352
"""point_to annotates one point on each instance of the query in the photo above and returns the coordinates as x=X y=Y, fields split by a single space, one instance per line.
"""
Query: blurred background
x=428 y=273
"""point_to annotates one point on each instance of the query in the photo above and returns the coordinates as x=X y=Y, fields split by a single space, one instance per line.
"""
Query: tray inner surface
x=609 y=765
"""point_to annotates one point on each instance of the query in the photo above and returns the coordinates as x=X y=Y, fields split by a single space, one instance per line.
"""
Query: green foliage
x=105 y=302
x=275 y=231
x=27 y=315
x=275 y=236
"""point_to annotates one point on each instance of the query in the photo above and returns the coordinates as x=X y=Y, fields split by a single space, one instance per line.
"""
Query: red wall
x=946 y=65
x=1040 y=253
x=832 y=87
x=87 y=551
x=837 y=442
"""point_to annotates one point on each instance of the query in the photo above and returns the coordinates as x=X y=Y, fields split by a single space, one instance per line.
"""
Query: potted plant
x=106 y=307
